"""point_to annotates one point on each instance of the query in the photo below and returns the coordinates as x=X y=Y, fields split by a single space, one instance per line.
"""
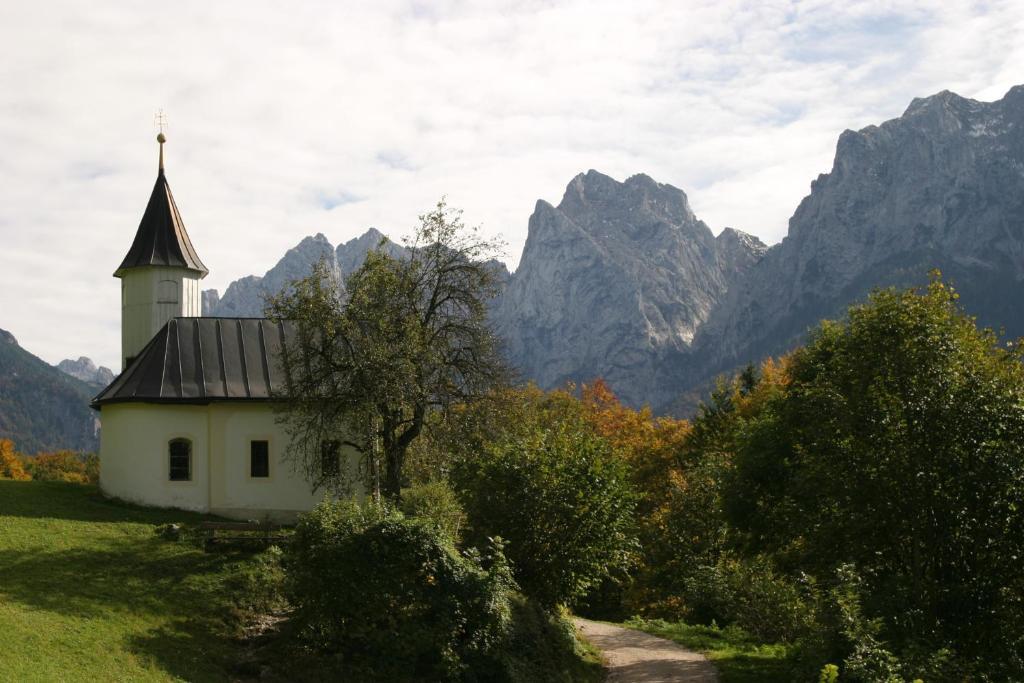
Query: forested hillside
x=41 y=407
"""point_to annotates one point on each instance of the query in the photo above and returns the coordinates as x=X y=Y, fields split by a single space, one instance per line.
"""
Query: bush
x=829 y=674
x=436 y=504
x=562 y=500
x=752 y=595
x=857 y=640
x=66 y=466
x=543 y=646
x=391 y=599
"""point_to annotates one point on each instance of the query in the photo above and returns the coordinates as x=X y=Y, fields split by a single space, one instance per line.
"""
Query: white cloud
x=287 y=120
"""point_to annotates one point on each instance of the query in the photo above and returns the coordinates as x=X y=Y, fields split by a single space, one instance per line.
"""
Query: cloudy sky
x=287 y=119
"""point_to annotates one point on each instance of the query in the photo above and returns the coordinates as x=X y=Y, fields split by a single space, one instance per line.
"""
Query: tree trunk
x=392 y=488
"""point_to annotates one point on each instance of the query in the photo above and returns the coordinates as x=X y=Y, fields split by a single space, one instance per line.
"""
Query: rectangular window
x=330 y=454
x=259 y=459
x=180 y=460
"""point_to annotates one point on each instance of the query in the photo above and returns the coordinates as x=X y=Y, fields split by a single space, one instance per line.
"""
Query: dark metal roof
x=161 y=239
x=202 y=360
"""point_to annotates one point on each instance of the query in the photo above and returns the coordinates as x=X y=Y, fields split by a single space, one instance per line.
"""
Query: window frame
x=162 y=292
x=171 y=443
x=269 y=472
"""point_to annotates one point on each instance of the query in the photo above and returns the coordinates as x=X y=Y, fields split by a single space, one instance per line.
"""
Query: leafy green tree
x=404 y=337
x=897 y=446
x=689 y=561
x=557 y=493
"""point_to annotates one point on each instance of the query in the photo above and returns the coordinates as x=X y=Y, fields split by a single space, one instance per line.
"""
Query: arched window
x=167 y=292
x=180 y=459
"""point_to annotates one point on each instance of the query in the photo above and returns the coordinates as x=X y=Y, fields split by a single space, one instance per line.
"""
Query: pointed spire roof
x=161 y=239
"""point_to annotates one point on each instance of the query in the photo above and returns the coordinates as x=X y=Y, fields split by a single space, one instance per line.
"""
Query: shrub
x=561 y=498
x=542 y=646
x=829 y=674
x=752 y=595
x=391 y=599
x=66 y=466
x=92 y=469
x=10 y=463
x=437 y=504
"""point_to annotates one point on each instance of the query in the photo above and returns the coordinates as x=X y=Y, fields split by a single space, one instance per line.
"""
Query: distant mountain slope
x=245 y=297
x=942 y=187
x=85 y=369
x=42 y=408
x=615 y=282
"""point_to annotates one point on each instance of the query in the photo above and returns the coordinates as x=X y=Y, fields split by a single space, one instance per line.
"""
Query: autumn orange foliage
x=63 y=466
x=10 y=464
x=651 y=445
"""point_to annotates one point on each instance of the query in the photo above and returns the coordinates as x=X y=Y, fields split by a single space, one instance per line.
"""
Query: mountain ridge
x=622 y=280
x=941 y=186
x=41 y=407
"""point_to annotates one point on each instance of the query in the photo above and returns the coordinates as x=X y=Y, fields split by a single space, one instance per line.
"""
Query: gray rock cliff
x=615 y=282
x=85 y=369
x=351 y=254
x=246 y=296
x=942 y=187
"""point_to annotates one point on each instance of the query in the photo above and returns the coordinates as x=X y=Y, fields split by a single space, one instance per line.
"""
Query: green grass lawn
x=738 y=658
x=89 y=592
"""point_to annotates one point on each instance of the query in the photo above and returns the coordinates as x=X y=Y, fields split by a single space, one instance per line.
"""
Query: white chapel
x=189 y=422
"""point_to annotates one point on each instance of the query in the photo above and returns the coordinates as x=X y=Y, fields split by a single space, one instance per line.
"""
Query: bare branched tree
x=368 y=363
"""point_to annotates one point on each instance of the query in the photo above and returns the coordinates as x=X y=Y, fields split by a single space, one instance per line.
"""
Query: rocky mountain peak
x=246 y=296
x=351 y=254
x=732 y=238
x=7 y=337
x=85 y=369
x=313 y=246
x=613 y=280
x=738 y=252
x=943 y=102
x=939 y=187
x=593 y=194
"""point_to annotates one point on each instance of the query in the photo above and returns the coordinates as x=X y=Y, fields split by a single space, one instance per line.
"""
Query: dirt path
x=637 y=657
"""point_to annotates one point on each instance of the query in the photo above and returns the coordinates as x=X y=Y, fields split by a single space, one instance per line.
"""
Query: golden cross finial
x=160 y=121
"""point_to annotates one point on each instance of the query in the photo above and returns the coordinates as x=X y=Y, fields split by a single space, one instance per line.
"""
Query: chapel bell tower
x=160 y=274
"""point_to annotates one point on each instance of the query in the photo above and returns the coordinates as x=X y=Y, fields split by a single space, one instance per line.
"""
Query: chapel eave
x=205 y=360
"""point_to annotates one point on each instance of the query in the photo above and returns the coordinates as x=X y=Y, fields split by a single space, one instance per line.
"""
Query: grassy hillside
x=88 y=592
x=41 y=408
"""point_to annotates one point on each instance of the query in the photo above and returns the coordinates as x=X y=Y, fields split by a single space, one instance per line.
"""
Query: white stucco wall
x=134 y=459
x=233 y=426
